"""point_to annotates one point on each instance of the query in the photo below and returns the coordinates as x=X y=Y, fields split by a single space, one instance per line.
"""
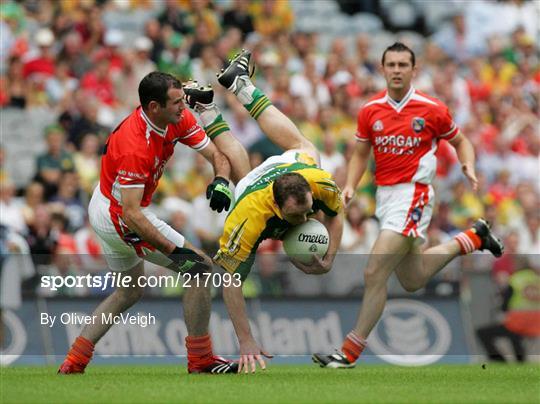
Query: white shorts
x=120 y=255
x=290 y=156
x=405 y=208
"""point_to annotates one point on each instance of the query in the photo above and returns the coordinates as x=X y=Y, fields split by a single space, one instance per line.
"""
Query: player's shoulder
x=129 y=136
x=375 y=100
x=428 y=100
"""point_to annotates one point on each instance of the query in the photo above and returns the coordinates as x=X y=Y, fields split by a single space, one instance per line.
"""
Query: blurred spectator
x=331 y=159
x=90 y=27
x=529 y=237
x=87 y=162
x=174 y=59
x=202 y=14
x=464 y=204
x=359 y=230
x=72 y=52
x=310 y=87
x=68 y=197
x=205 y=66
x=42 y=240
x=238 y=16
x=12 y=215
x=42 y=66
x=89 y=250
x=176 y=18
x=141 y=64
x=272 y=17
x=152 y=31
x=16 y=87
x=33 y=197
x=54 y=161
x=457 y=40
x=86 y=122
x=61 y=86
x=97 y=82
x=113 y=41
x=244 y=128
x=510 y=262
x=522 y=318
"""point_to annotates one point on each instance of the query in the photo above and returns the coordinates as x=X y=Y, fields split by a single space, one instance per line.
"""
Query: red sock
x=199 y=351
x=468 y=241
x=353 y=346
x=80 y=352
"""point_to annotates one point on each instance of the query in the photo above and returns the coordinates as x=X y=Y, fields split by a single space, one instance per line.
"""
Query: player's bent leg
x=276 y=125
x=120 y=300
x=388 y=251
x=418 y=268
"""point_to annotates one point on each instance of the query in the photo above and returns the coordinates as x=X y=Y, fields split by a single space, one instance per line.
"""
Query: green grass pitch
x=278 y=384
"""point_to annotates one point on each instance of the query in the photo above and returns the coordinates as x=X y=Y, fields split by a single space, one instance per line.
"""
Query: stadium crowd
x=70 y=58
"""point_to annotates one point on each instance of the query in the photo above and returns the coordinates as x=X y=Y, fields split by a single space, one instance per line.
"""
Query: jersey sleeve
x=446 y=127
x=133 y=171
x=362 y=128
x=326 y=194
x=191 y=133
x=239 y=242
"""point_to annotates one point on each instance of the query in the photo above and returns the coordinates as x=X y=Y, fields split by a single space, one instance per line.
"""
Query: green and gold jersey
x=255 y=217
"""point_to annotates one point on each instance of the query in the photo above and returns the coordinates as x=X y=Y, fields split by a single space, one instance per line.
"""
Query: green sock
x=217 y=127
x=259 y=104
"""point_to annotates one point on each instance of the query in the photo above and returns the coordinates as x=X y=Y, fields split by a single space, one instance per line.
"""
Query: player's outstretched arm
x=141 y=230
x=250 y=352
x=355 y=170
x=218 y=191
x=465 y=153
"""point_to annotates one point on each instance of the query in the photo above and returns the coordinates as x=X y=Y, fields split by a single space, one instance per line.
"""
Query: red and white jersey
x=137 y=151
x=405 y=135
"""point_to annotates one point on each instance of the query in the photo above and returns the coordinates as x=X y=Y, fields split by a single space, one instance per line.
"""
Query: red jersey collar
x=398 y=106
x=151 y=126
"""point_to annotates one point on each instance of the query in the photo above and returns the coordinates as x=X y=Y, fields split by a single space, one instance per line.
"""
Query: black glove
x=186 y=260
x=219 y=194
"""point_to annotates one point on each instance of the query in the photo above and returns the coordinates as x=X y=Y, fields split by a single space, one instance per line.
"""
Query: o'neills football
x=303 y=241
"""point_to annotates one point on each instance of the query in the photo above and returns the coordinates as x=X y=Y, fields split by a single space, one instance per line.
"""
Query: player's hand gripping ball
x=305 y=240
x=219 y=194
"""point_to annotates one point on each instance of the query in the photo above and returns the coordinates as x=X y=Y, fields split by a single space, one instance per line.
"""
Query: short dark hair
x=399 y=47
x=290 y=185
x=154 y=87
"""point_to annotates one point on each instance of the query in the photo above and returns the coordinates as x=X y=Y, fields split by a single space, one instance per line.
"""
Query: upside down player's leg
x=119 y=301
x=276 y=125
x=201 y=99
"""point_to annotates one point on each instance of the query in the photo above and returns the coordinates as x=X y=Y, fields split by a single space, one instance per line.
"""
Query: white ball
x=304 y=240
